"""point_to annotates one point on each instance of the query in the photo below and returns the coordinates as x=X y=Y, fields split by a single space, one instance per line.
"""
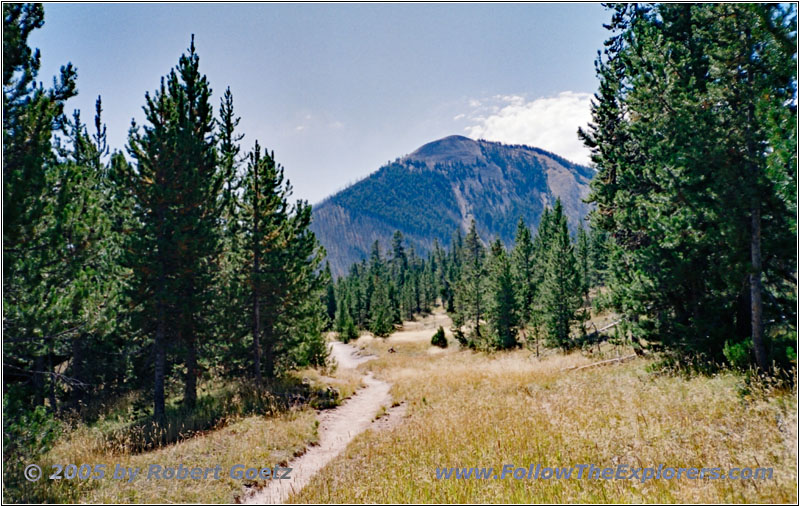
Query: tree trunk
x=269 y=359
x=52 y=384
x=77 y=369
x=256 y=281
x=755 y=289
x=257 y=338
x=756 y=325
x=38 y=379
x=190 y=386
x=160 y=363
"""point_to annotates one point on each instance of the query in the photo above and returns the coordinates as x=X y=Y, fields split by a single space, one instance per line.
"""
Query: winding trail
x=337 y=427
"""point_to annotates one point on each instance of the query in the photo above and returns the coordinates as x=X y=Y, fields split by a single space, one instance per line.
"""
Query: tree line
x=694 y=135
x=182 y=261
x=536 y=292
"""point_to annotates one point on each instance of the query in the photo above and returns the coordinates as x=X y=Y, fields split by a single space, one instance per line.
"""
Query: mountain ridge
x=439 y=188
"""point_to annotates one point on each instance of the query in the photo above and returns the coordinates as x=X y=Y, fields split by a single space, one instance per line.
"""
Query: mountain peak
x=447 y=150
x=440 y=188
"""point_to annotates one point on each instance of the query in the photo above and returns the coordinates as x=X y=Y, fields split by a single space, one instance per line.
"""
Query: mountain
x=439 y=188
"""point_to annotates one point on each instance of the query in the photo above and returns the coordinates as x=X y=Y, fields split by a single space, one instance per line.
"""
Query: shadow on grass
x=216 y=410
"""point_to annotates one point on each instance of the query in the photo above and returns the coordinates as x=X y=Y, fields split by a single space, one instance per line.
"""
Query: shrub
x=349 y=331
x=438 y=339
x=738 y=354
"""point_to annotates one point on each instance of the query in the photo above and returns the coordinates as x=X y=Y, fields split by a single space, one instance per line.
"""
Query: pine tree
x=230 y=284
x=582 y=256
x=523 y=264
x=178 y=186
x=470 y=294
x=561 y=294
x=300 y=312
x=344 y=325
x=684 y=135
x=283 y=271
x=330 y=297
x=503 y=314
x=381 y=314
x=399 y=262
x=31 y=116
x=598 y=255
x=541 y=244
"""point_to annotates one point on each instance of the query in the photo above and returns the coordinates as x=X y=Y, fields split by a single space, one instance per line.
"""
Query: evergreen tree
x=380 y=322
x=230 y=284
x=381 y=312
x=561 y=293
x=330 y=296
x=344 y=325
x=503 y=314
x=582 y=256
x=286 y=285
x=470 y=304
x=33 y=303
x=523 y=262
x=177 y=187
x=598 y=256
x=541 y=245
x=691 y=115
x=439 y=339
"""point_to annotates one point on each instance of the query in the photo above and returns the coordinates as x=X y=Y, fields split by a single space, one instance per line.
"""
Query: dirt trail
x=337 y=427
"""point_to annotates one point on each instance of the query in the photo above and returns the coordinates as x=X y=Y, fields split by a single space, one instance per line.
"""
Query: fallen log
x=609 y=326
x=600 y=363
x=595 y=336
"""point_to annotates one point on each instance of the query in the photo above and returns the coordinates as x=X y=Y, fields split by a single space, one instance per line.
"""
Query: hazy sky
x=336 y=90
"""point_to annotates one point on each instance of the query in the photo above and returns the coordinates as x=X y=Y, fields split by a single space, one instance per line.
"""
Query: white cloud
x=550 y=123
x=459 y=116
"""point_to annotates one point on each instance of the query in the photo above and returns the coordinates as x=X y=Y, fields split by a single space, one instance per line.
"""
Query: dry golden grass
x=254 y=441
x=466 y=409
x=469 y=409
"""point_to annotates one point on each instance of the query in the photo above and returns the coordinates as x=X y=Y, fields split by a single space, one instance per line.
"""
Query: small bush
x=438 y=339
x=738 y=354
x=348 y=332
x=460 y=337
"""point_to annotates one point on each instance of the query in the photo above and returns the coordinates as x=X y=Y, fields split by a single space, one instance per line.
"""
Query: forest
x=497 y=299
x=185 y=261
x=179 y=273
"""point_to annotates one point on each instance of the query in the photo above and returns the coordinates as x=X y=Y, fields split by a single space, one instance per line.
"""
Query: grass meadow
x=468 y=409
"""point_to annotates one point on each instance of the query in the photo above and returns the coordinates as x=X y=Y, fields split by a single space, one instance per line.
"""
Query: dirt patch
x=347 y=356
x=391 y=418
x=422 y=330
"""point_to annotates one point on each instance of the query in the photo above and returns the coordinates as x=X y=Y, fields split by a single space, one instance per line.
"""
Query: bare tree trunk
x=756 y=324
x=257 y=337
x=190 y=386
x=269 y=356
x=160 y=363
x=755 y=289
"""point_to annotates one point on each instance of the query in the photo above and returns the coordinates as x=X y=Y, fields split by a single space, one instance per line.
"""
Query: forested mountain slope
x=439 y=188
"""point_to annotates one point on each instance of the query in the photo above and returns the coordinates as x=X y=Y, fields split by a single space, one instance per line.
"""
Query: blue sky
x=336 y=90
